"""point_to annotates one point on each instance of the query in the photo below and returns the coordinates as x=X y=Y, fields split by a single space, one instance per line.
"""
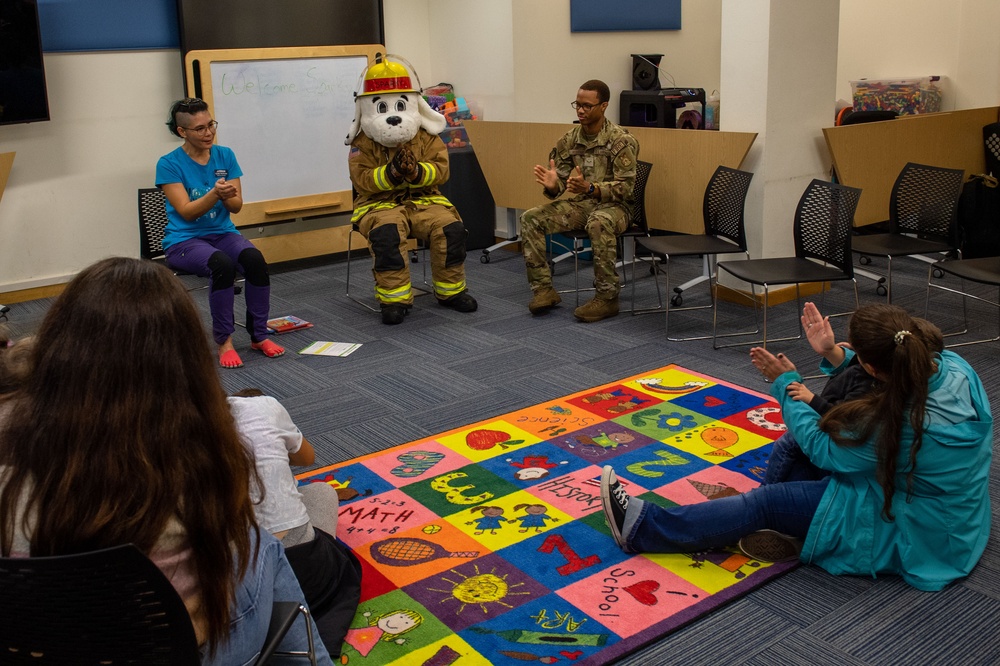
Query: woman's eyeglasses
x=201 y=129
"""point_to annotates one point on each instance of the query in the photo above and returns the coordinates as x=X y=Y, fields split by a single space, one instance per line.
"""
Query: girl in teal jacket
x=909 y=467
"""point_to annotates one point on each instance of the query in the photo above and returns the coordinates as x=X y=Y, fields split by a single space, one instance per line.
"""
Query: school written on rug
x=487 y=544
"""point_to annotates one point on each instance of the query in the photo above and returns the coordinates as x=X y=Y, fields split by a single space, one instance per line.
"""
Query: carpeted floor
x=441 y=369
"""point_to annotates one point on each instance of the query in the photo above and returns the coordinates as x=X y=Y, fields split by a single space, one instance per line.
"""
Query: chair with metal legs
x=983 y=270
x=824 y=219
x=923 y=219
x=637 y=228
x=153 y=226
x=722 y=211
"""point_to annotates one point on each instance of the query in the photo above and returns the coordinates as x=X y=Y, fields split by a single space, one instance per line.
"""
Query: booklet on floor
x=286 y=324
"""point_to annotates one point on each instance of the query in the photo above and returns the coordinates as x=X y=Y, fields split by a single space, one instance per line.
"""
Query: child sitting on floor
x=909 y=462
x=304 y=519
x=786 y=462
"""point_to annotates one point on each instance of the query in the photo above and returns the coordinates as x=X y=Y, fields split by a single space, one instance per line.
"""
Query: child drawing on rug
x=535 y=516
x=387 y=628
x=303 y=519
x=908 y=462
x=492 y=519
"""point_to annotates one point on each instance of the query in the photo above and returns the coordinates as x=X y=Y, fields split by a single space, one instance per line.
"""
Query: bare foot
x=768 y=364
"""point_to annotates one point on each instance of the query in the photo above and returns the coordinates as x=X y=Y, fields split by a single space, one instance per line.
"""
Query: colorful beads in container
x=904 y=96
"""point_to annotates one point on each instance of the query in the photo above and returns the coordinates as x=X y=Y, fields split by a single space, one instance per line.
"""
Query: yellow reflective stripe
x=448 y=289
x=382 y=179
x=430 y=175
x=436 y=199
x=361 y=211
x=397 y=295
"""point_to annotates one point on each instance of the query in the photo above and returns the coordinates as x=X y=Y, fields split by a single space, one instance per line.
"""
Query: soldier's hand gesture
x=547 y=178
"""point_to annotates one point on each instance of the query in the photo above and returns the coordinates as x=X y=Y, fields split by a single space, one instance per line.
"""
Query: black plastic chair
x=638 y=227
x=153 y=226
x=923 y=219
x=822 y=228
x=991 y=142
x=984 y=270
x=108 y=606
x=725 y=233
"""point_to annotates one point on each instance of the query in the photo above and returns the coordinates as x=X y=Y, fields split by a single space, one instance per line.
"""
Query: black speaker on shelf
x=645 y=71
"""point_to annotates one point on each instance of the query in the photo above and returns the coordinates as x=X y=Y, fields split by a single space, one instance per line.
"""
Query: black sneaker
x=614 y=501
x=771 y=546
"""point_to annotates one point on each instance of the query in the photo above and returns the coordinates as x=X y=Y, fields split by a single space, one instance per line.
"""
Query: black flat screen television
x=240 y=24
x=23 y=98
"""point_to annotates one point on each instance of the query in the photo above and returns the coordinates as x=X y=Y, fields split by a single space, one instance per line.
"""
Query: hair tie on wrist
x=900 y=335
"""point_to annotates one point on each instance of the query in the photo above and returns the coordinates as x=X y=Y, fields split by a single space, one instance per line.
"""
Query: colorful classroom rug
x=487 y=544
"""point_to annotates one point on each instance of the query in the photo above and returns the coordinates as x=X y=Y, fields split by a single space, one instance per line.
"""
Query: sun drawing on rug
x=480 y=589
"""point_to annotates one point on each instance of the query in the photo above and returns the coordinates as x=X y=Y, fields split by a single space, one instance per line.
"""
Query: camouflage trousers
x=603 y=223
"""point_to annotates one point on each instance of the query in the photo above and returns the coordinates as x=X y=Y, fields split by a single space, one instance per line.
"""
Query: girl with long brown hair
x=122 y=434
x=907 y=489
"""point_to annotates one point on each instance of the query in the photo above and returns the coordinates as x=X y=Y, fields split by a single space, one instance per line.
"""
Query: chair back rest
x=991 y=142
x=642 y=170
x=824 y=223
x=724 y=204
x=107 y=606
x=152 y=222
x=924 y=202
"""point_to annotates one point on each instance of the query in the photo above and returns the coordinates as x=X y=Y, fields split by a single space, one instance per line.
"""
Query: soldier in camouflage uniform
x=596 y=162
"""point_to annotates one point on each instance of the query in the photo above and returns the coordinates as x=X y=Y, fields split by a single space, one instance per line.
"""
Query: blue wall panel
x=108 y=25
x=602 y=16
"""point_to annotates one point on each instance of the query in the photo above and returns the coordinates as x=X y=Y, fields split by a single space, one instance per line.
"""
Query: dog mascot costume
x=397 y=161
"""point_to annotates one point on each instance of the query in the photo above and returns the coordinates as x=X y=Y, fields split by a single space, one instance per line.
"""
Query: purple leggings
x=220 y=257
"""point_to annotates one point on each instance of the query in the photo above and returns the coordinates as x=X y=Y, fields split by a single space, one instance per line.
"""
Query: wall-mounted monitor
x=23 y=98
x=241 y=24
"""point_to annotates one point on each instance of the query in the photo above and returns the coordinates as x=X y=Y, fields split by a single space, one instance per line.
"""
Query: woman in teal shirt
x=909 y=467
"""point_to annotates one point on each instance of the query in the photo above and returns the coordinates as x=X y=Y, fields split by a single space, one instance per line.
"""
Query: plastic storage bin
x=904 y=96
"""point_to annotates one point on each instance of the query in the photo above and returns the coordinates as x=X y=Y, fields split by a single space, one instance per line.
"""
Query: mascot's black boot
x=393 y=314
x=463 y=302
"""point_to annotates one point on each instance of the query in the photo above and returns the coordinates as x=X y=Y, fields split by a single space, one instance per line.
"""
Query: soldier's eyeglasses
x=587 y=108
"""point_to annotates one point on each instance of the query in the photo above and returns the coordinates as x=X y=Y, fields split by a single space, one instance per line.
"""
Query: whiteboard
x=286 y=120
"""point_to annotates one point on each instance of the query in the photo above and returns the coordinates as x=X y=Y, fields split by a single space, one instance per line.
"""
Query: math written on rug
x=487 y=544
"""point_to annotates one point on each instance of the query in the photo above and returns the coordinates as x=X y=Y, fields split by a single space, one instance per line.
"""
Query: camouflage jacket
x=607 y=160
x=374 y=190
